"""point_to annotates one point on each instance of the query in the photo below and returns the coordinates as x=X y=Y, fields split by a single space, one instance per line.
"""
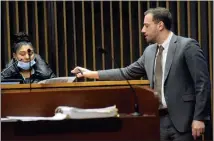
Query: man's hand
x=198 y=128
x=79 y=71
x=83 y=72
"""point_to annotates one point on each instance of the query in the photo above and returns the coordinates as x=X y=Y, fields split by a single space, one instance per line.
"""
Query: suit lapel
x=170 y=55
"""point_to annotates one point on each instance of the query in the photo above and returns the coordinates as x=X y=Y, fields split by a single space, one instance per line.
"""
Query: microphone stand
x=136 y=105
x=29 y=54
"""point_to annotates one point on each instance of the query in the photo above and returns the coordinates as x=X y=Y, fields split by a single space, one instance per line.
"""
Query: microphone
x=29 y=54
x=136 y=105
x=10 y=66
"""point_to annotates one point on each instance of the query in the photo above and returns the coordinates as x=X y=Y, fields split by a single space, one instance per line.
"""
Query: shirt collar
x=166 y=42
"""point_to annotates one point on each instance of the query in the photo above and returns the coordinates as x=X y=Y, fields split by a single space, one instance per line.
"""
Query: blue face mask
x=26 y=66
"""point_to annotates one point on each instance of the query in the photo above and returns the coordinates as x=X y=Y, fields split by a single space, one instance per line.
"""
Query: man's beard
x=150 y=41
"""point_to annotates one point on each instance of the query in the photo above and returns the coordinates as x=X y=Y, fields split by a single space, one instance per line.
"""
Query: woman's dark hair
x=20 y=39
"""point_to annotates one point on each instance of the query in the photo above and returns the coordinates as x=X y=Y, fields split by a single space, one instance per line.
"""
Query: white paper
x=58 y=80
x=8 y=120
x=57 y=116
x=65 y=112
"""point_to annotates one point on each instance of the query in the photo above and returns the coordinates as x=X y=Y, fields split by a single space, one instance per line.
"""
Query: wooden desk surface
x=42 y=100
x=74 y=84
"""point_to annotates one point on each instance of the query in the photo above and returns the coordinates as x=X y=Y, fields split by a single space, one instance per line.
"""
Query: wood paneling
x=64 y=41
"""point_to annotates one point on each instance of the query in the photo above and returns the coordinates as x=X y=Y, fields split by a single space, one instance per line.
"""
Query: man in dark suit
x=176 y=69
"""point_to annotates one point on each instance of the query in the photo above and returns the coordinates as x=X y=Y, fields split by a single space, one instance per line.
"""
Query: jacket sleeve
x=10 y=70
x=198 y=69
x=133 y=71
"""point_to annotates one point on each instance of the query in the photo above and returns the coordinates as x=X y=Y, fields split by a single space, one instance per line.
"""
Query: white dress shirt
x=164 y=55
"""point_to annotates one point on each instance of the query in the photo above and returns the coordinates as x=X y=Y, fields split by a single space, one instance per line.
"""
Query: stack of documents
x=77 y=113
x=65 y=112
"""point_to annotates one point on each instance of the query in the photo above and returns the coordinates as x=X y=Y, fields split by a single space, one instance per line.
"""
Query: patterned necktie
x=158 y=74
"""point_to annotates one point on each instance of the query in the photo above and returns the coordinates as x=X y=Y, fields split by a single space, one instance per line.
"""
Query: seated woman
x=26 y=64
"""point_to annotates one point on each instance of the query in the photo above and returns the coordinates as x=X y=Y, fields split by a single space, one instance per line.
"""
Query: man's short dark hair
x=161 y=14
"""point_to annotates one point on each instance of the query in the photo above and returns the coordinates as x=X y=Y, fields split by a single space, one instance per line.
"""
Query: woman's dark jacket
x=42 y=71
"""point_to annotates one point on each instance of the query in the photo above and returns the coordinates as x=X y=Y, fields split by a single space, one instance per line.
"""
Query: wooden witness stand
x=43 y=99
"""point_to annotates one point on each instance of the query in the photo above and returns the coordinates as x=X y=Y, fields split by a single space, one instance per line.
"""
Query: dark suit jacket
x=41 y=71
x=186 y=79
